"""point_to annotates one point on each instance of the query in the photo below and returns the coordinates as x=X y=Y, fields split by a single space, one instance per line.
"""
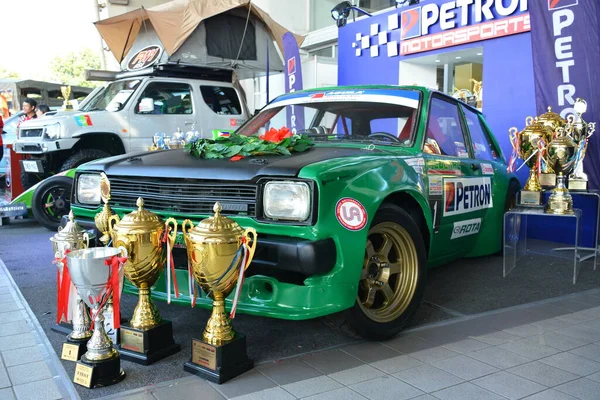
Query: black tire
x=51 y=200
x=374 y=319
x=28 y=180
x=81 y=157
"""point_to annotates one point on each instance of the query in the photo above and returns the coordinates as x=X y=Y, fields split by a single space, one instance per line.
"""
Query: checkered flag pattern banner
x=377 y=40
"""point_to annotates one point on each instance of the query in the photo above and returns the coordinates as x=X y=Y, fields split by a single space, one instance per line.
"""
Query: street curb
x=60 y=376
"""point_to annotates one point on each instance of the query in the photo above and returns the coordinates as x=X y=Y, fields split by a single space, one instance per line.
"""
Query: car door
x=458 y=194
x=173 y=107
x=221 y=107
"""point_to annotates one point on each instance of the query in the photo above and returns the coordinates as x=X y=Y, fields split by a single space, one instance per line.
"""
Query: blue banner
x=566 y=63
x=293 y=81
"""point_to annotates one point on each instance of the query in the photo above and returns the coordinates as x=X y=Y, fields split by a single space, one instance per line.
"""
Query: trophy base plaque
x=578 y=185
x=530 y=198
x=64 y=328
x=94 y=374
x=147 y=346
x=72 y=350
x=547 y=180
x=219 y=363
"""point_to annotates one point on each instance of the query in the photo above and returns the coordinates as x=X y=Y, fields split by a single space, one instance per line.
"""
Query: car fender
x=27 y=196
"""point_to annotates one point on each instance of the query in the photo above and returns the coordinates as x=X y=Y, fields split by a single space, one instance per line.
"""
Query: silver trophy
x=580 y=131
x=72 y=237
x=91 y=274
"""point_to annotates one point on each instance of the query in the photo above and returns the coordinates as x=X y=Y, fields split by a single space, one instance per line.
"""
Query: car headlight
x=88 y=189
x=287 y=200
x=52 y=131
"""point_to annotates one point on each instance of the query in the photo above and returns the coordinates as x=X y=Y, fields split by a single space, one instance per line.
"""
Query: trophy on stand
x=149 y=338
x=102 y=219
x=561 y=156
x=71 y=237
x=553 y=121
x=66 y=92
x=95 y=274
x=529 y=144
x=580 y=132
x=219 y=252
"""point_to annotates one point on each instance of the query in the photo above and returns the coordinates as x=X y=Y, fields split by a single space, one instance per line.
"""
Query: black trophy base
x=530 y=198
x=103 y=373
x=62 y=328
x=219 y=363
x=149 y=346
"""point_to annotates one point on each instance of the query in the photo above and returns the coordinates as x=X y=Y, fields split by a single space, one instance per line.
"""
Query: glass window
x=482 y=144
x=114 y=96
x=444 y=132
x=376 y=5
x=320 y=11
x=324 y=52
x=168 y=98
x=222 y=100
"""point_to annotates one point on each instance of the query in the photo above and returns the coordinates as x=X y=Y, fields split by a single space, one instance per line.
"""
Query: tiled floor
x=543 y=351
x=29 y=367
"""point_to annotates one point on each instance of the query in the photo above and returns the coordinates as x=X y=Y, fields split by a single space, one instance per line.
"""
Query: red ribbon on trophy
x=113 y=288
x=63 y=287
x=170 y=266
x=243 y=265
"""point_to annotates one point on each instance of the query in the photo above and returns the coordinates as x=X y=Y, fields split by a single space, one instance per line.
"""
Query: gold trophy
x=580 y=131
x=219 y=252
x=561 y=156
x=66 y=92
x=71 y=237
x=553 y=121
x=527 y=144
x=102 y=219
x=148 y=338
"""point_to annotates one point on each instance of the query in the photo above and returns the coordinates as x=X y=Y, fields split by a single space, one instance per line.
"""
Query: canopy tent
x=220 y=33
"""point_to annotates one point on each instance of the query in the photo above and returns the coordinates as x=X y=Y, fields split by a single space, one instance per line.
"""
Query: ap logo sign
x=556 y=4
x=410 y=23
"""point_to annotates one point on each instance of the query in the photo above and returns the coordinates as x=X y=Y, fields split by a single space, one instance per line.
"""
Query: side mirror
x=256 y=111
x=146 y=105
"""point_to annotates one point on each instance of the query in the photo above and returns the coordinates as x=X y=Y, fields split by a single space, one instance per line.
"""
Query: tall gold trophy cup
x=66 y=92
x=527 y=143
x=215 y=247
x=561 y=156
x=580 y=131
x=553 y=121
x=72 y=237
x=149 y=338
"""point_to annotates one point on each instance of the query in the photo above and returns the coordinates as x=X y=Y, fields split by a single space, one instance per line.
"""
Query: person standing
x=28 y=108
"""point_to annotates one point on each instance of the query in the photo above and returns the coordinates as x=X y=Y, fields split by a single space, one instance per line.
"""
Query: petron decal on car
x=464 y=195
x=466 y=228
x=487 y=169
x=351 y=214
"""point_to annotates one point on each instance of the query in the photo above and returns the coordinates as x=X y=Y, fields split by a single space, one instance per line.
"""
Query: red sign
x=351 y=214
x=474 y=33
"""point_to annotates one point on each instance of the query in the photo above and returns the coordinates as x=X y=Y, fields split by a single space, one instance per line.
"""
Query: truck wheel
x=81 y=157
x=51 y=200
x=28 y=180
x=393 y=275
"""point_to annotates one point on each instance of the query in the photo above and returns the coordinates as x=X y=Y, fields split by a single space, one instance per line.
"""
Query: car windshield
x=114 y=96
x=349 y=121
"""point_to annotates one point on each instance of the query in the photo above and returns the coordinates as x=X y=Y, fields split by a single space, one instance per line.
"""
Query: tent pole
x=267 y=70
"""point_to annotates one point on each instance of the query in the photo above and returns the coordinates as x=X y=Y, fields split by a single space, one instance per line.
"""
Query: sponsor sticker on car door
x=465 y=195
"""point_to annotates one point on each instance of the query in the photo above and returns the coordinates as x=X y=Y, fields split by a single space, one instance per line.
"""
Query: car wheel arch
x=107 y=141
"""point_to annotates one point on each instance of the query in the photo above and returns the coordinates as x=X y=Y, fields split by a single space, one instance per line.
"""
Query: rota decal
x=351 y=214
x=464 y=195
x=466 y=228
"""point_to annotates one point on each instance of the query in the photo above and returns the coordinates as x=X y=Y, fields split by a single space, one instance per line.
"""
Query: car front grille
x=184 y=195
x=28 y=133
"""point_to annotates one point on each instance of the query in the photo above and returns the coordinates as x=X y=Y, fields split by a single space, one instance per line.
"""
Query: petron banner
x=566 y=58
x=293 y=80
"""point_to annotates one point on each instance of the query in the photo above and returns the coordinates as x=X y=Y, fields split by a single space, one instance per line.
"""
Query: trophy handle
x=86 y=237
x=529 y=120
x=172 y=231
x=512 y=135
x=591 y=128
x=185 y=224
x=254 y=241
x=124 y=252
x=112 y=221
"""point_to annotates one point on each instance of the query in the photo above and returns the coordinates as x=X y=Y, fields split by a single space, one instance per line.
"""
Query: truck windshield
x=114 y=96
x=354 y=121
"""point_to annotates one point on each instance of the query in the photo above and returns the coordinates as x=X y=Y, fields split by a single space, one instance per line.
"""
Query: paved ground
x=461 y=289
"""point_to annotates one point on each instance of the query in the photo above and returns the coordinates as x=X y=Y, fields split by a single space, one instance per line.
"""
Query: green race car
x=399 y=179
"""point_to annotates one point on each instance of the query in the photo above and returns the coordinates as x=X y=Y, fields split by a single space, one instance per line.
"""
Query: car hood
x=178 y=164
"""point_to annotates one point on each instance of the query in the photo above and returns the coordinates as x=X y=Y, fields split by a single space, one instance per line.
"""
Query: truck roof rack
x=173 y=70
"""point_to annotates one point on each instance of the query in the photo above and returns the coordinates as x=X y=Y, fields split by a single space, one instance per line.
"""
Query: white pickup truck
x=125 y=115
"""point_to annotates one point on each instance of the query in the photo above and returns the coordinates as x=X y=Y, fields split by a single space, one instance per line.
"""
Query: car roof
x=422 y=89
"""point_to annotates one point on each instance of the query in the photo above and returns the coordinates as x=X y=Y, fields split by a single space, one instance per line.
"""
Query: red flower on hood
x=275 y=135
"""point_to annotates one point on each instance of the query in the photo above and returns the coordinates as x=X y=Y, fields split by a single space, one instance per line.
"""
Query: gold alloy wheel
x=389 y=277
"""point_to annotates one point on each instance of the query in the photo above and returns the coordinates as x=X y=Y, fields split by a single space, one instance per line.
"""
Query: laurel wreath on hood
x=237 y=147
